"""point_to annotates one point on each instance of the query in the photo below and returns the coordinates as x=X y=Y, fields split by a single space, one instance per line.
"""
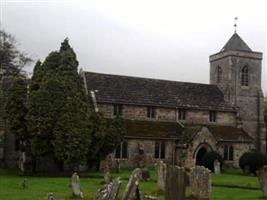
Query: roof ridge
x=149 y=78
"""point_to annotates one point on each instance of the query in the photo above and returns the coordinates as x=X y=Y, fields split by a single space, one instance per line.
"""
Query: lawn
x=231 y=186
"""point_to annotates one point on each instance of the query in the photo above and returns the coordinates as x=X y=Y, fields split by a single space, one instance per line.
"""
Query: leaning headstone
x=200 y=183
x=262 y=176
x=145 y=174
x=75 y=185
x=161 y=175
x=50 y=196
x=109 y=191
x=131 y=191
x=175 y=183
x=217 y=167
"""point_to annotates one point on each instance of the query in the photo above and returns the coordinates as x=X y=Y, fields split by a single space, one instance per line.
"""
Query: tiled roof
x=154 y=92
x=220 y=133
x=152 y=129
x=236 y=43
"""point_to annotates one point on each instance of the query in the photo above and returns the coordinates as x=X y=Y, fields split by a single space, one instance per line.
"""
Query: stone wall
x=169 y=114
x=149 y=151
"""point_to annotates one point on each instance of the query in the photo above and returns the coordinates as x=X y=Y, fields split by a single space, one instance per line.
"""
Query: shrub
x=209 y=158
x=254 y=160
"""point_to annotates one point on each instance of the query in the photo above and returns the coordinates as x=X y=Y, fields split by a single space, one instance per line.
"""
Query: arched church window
x=228 y=152
x=159 y=150
x=244 y=76
x=231 y=153
x=219 y=74
x=121 y=151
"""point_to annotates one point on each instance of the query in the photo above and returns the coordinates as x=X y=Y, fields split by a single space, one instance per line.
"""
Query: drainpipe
x=258 y=138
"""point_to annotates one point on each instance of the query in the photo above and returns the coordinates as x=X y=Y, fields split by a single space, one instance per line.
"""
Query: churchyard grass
x=230 y=186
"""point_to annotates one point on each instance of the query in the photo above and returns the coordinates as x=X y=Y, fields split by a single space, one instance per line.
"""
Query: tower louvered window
x=219 y=74
x=244 y=76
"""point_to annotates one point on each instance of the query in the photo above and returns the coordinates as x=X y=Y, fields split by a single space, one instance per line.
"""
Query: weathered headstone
x=132 y=186
x=145 y=174
x=107 y=176
x=161 y=175
x=200 y=183
x=75 y=185
x=217 y=167
x=109 y=191
x=50 y=196
x=175 y=183
x=262 y=176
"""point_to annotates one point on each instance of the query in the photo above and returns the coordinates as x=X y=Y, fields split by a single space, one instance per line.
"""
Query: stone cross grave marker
x=161 y=175
x=200 y=183
x=217 y=167
x=262 y=176
x=109 y=191
x=75 y=185
x=175 y=183
x=132 y=190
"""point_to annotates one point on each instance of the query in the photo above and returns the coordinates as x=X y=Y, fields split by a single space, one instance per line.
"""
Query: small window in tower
x=151 y=112
x=212 y=116
x=219 y=74
x=244 y=76
x=181 y=114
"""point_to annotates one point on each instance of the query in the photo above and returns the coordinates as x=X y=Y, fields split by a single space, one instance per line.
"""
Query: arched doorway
x=201 y=152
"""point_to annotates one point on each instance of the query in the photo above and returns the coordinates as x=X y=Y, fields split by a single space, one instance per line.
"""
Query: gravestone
x=200 y=183
x=217 y=167
x=24 y=184
x=50 y=196
x=132 y=191
x=107 y=176
x=262 y=176
x=145 y=174
x=75 y=185
x=175 y=183
x=161 y=175
x=109 y=191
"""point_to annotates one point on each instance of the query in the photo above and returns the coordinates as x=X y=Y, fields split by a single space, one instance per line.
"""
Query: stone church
x=178 y=122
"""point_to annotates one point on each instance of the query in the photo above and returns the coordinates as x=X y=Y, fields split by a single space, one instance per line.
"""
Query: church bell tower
x=236 y=70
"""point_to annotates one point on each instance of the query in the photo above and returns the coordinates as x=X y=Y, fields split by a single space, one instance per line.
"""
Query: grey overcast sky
x=148 y=38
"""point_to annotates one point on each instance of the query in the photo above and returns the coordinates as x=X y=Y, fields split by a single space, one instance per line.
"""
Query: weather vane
x=235 y=25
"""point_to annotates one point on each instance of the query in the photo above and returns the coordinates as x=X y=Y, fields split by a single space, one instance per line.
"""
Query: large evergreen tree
x=72 y=133
x=16 y=109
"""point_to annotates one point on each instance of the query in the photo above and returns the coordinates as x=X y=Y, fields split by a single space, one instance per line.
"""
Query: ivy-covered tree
x=16 y=109
x=12 y=60
x=44 y=107
x=72 y=133
x=106 y=135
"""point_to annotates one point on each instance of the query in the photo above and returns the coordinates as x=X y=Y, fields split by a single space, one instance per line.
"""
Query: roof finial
x=235 y=25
